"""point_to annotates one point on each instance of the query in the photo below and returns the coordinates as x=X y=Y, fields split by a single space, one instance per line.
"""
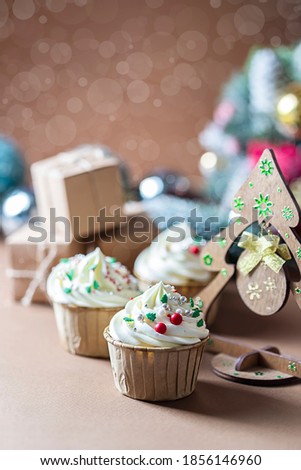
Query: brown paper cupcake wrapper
x=81 y=329
x=155 y=374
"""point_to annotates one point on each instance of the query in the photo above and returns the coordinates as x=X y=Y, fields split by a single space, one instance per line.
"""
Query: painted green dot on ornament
x=238 y=221
x=292 y=366
x=251 y=185
x=297 y=290
x=208 y=260
x=224 y=272
x=266 y=167
x=279 y=190
x=287 y=213
x=286 y=235
x=259 y=373
x=238 y=203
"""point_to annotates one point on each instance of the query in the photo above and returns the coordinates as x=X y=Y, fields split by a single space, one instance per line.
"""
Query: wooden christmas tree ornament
x=261 y=278
x=244 y=364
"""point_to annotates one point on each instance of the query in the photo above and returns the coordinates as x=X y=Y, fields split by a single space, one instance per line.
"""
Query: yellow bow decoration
x=265 y=248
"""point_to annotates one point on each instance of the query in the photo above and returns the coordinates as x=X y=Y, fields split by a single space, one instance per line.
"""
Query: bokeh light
x=142 y=78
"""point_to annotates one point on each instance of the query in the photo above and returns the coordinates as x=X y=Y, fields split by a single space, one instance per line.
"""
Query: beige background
x=139 y=75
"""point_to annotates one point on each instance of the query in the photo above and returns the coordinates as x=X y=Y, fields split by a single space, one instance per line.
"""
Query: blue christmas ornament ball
x=17 y=206
x=12 y=167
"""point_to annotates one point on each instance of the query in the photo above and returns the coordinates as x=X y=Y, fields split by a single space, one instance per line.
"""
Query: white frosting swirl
x=137 y=323
x=91 y=281
x=170 y=258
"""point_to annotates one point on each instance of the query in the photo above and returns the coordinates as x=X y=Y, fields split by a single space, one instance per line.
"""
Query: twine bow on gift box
x=265 y=248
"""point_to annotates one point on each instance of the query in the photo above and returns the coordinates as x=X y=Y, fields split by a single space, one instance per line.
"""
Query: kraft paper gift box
x=31 y=262
x=78 y=184
x=123 y=243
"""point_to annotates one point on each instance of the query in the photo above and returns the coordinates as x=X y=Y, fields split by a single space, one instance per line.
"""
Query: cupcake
x=156 y=344
x=86 y=291
x=174 y=258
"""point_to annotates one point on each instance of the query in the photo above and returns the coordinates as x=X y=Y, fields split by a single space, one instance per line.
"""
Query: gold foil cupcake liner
x=155 y=374
x=81 y=329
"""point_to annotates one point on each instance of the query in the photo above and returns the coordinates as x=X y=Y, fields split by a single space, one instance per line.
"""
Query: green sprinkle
x=200 y=323
x=64 y=260
x=224 y=272
x=89 y=289
x=164 y=299
x=200 y=304
x=210 y=341
x=128 y=319
x=191 y=302
x=251 y=185
x=235 y=373
x=238 y=221
x=207 y=259
x=297 y=290
x=279 y=190
x=292 y=366
x=151 y=316
x=70 y=274
x=196 y=313
x=298 y=253
x=198 y=239
x=67 y=290
x=279 y=377
x=259 y=373
x=112 y=260
x=96 y=285
x=222 y=242
x=286 y=235
x=94 y=267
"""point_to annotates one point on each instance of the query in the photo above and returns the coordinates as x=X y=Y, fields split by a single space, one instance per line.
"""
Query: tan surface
x=51 y=399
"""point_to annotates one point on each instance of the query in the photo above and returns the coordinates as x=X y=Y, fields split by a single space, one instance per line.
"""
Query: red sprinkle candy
x=194 y=250
x=176 y=319
x=161 y=328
